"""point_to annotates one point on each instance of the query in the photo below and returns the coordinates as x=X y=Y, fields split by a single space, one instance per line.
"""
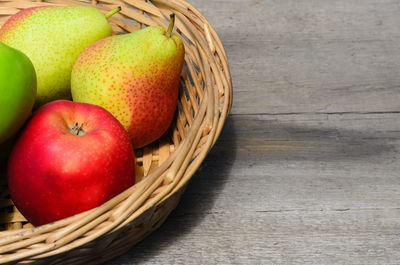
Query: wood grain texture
x=289 y=189
x=306 y=170
x=310 y=56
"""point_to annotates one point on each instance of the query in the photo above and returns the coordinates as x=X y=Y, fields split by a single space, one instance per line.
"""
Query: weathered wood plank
x=289 y=189
x=297 y=189
x=310 y=56
x=274 y=238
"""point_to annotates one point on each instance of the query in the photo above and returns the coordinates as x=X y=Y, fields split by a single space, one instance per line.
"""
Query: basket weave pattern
x=163 y=168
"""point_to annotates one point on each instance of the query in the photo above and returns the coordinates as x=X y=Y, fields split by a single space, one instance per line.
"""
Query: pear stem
x=171 y=24
x=112 y=12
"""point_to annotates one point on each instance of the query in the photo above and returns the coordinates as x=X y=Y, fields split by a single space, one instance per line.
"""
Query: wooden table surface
x=307 y=168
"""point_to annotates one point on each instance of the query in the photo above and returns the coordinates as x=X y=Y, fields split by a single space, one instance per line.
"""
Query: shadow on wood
x=196 y=202
x=257 y=161
x=314 y=139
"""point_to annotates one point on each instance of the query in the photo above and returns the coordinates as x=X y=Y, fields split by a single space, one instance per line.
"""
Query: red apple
x=71 y=157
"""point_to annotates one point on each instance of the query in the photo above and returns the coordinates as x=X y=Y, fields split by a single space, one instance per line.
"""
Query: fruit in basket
x=17 y=90
x=71 y=157
x=53 y=38
x=134 y=76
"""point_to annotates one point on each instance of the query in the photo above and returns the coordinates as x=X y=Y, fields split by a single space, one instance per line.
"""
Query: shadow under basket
x=163 y=168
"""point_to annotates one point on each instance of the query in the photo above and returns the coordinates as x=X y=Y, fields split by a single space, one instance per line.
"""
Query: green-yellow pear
x=53 y=38
x=134 y=76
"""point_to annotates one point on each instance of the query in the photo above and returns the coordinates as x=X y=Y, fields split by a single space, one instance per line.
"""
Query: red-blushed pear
x=71 y=157
x=135 y=76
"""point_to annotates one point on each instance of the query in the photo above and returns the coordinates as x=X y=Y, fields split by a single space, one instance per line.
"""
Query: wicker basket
x=163 y=168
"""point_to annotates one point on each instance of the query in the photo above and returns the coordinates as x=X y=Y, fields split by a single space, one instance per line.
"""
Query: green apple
x=17 y=90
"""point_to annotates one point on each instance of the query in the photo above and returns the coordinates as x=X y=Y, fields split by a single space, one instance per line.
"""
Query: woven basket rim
x=208 y=66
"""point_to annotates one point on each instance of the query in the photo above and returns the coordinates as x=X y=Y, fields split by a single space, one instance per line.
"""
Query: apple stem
x=171 y=24
x=112 y=12
x=80 y=129
x=77 y=130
